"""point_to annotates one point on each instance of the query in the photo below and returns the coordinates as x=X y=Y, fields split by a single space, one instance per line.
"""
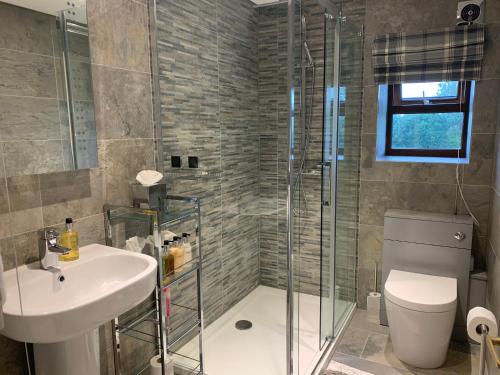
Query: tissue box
x=148 y=197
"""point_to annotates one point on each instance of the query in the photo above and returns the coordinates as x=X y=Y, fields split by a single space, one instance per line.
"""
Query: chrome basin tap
x=49 y=249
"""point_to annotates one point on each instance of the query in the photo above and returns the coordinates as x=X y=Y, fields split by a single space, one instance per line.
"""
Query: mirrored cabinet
x=47 y=119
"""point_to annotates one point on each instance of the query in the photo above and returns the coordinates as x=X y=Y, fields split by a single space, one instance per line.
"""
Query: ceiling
x=46 y=6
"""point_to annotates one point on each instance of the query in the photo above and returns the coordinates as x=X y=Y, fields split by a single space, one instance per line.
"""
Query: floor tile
x=379 y=349
x=367 y=346
x=368 y=366
x=353 y=342
x=360 y=320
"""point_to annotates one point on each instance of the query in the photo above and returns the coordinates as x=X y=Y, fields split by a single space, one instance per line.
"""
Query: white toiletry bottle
x=188 y=250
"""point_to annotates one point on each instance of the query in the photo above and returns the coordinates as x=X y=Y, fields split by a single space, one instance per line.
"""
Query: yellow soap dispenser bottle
x=69 y=239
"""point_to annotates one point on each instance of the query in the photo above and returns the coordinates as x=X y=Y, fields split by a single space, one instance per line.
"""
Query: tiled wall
x=119 y=41
x=493 y=253
x=208 y=91
x=421 y=186
x=31 y=135
x=273 y=118
x=273 y=138
x=273 y=123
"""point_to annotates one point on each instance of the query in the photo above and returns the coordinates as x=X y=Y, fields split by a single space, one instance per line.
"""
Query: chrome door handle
x=459 y=236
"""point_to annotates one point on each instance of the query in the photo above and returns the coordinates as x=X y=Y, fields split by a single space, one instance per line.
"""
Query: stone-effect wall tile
x=208 y=84
x=19 y=249
x=25 y=30
x=371 y=241
x=408 y=15
x=376 y=197
x=32 y=157
x=119 y=34
x=4 y=203
x=492 y=293
x=373 y=170
x=12 y=357
x=25 y=203
x=490 y=66
x=122 y=161
x=478 y=199
x=495 y=178
x=26 y=74
x=29 y=203
x=494 y=221
x=485 y=106
x=29 y=119
x=66 y=193
x=123 y=103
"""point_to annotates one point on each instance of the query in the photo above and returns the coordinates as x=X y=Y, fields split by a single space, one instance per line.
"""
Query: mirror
x=47 y=120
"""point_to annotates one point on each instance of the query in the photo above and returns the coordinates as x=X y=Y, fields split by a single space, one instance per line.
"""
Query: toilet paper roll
x=155 y=365
x=478 y=316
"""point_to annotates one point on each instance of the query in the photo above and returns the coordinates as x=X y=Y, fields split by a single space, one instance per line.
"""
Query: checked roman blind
x=450 y=54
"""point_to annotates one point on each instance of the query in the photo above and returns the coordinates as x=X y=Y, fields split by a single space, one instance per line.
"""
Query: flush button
x=459 y=236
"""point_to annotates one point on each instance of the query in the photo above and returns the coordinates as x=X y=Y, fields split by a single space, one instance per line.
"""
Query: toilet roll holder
x=482 y=329
x=492 y=343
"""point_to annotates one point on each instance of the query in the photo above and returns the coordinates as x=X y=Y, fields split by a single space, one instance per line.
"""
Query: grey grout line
x=364 y=346
x=120 y=68
x=26 y=52
x=51 y=225
x=30 y=96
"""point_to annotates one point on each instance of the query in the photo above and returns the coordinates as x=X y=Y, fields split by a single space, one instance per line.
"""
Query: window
x=329 y=120
x=427 y=119
x=341 y=126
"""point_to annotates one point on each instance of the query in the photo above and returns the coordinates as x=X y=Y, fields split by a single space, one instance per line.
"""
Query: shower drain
x=243 y=325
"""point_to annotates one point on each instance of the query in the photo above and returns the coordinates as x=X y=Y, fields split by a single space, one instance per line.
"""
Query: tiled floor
x=366 y=346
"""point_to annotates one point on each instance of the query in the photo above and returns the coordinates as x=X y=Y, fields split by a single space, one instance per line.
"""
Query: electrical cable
x=457 y=176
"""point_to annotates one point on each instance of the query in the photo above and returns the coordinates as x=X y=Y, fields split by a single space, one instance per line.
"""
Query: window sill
x=421 y=159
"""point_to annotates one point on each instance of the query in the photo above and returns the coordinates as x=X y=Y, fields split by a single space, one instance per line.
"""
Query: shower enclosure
x=258 y=108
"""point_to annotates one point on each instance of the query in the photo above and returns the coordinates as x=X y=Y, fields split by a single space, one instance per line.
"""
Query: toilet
x=425 y=283
x=421 y=312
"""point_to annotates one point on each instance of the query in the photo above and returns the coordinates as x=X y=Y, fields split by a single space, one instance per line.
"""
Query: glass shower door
x=340 y=171
x=329 y=176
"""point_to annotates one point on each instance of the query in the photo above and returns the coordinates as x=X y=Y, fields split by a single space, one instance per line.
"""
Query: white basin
x=104 y=283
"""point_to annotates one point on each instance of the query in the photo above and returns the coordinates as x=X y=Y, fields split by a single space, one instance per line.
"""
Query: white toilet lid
x=419 y=292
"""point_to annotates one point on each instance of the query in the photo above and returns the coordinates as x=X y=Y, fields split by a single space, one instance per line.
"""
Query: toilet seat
x=420 y=292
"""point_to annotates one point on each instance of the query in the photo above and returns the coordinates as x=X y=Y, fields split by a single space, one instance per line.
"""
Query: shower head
x=310 y=61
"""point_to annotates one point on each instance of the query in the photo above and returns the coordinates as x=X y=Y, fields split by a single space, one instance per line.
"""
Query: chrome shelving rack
x=173 y=334
x=183 y=332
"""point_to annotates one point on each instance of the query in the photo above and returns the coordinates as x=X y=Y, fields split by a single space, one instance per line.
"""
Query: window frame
x=459 y=104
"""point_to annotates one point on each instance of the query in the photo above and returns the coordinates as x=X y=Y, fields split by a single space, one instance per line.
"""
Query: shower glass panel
x=330 y=135
x=348 y=164
x=222 y=68
x=340 y=182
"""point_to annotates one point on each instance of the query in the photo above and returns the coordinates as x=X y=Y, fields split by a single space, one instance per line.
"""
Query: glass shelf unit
x=149 y=323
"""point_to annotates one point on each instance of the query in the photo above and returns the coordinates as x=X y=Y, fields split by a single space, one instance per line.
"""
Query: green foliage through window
x=438 y=131
x=428 y=119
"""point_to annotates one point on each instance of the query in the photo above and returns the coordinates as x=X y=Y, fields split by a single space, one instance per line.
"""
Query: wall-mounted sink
x=63 y=306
